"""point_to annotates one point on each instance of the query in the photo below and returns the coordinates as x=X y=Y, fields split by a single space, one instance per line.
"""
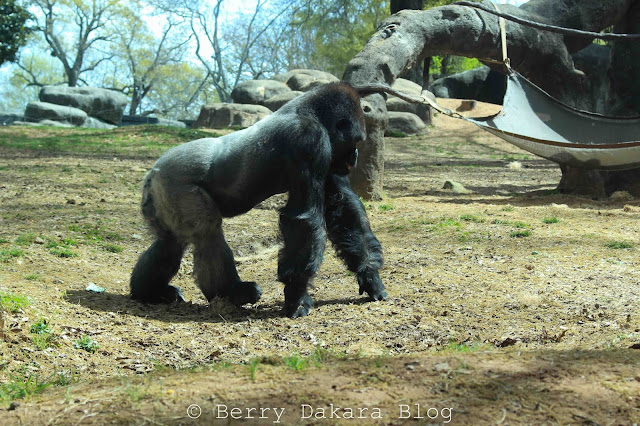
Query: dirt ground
x=508 y=304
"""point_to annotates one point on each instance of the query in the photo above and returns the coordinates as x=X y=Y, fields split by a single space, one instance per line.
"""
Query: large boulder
x=49 y=123
x=304 y=80
x=107 y=105
x=221 y=115
x=398 y=105
x=94 y=123
x=256 y=92
x=421 y=110
x=38 y=111
x=407 y=86
x=405 y=122
x=276 y=102
x=482 y=84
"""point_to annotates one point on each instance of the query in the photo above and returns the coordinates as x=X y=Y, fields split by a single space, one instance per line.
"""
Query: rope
x=551 y=28
x=365 y=89
x=503 y=40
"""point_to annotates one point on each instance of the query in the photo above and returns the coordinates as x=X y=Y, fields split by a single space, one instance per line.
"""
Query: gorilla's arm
x=302 y=219
x=351 y=235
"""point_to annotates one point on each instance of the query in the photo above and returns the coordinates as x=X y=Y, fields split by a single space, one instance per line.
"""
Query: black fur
x=306 y=148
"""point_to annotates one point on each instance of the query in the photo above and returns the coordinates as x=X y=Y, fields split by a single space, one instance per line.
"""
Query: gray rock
x=221 y=115
x=256 y=92
x=421 y=110
x=94 y=123
x=38 y=111
x=49 y=123
x=316 y=78
x=407 y=86
x=136 y=120
x=405 y=122
x=481 y=84
x=107 y=105
x=171 y=123
x=456 y=187
x=307 y=81
x=276 y=102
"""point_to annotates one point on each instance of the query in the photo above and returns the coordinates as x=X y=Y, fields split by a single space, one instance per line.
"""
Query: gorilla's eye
x=343 y=125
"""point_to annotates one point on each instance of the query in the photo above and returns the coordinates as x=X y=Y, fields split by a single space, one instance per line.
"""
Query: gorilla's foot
x=169 y=294
x=369 y=282
x=245 y=292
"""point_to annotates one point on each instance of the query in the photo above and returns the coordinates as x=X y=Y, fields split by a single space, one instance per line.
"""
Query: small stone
x=455 y=187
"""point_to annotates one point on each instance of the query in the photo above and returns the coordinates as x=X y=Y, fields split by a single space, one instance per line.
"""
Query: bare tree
x=145 y=54
x=225 y=57
x=86 y=23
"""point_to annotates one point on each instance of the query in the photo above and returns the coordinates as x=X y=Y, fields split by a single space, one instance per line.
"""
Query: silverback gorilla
x=306 y=148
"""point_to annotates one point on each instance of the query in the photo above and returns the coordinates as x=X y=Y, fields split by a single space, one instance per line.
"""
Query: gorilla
x=306 y=149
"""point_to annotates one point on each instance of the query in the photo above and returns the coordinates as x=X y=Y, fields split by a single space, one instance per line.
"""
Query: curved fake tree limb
x=410 y=36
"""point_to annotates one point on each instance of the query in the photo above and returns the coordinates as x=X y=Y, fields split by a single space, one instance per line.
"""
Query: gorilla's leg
x=155 y=268
x=350 y=233
x=216 y=273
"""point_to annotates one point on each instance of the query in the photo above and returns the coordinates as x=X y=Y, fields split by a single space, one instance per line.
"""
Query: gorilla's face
x=349 y=131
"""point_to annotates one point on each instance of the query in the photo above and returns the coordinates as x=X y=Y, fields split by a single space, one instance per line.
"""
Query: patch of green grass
x=67 y=242
x=448 y=223
x=471 y=218
x=3 y=241
x=385 y=207
x=33 y=277
x=112 y=248
x=454 y=346
x=395 y=134
x=253 y=368
x=296 y=362
x=136 y=393
x=40 y=327
x=21 y=387
x=619 y=245
x=13 y=302
x=468 y=237
x=499 y=222
x=520 y=234
x=508 y=208
x=95 y=233
x=550 y=220
x=26 y=239
x=63 y=252
x=87 y=344
x=519 y=225
x=148 y=141
x=7 y=254
x=43 y=341
x=321 y=355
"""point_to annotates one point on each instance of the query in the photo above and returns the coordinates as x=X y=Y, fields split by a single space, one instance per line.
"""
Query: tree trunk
x=544 y=57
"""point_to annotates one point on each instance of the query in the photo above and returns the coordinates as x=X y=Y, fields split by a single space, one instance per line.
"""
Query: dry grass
x=502 y=329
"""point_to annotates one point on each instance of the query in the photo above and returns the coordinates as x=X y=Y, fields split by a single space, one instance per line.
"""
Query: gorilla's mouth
x=352 y=159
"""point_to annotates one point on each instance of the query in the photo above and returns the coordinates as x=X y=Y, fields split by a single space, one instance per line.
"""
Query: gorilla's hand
x=297 y=302
x=369 y=282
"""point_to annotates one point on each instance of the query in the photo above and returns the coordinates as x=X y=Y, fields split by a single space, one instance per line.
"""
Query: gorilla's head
x=337 y=107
